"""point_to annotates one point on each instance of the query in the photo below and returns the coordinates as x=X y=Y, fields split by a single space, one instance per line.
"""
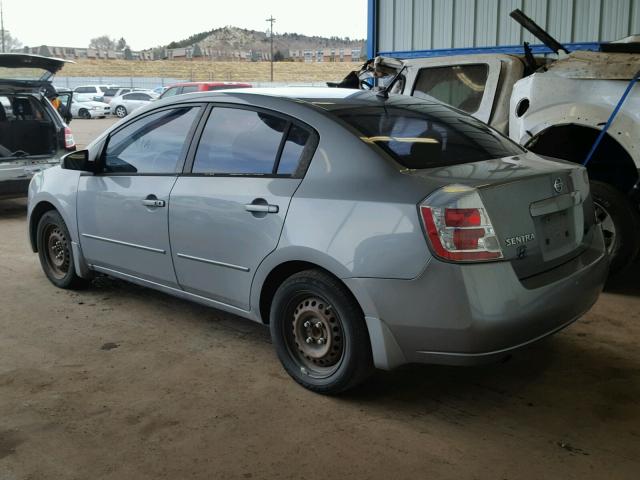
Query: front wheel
x=54 y=250
x=319 y=333
x=84 y=114
x=620 y=225
x=121 y=112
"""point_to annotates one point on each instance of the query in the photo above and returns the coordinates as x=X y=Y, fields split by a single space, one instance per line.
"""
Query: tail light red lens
x=69 y=142
x=462 y=217
x=459 y=234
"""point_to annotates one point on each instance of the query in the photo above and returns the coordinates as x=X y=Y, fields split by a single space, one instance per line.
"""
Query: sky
x=148 y=23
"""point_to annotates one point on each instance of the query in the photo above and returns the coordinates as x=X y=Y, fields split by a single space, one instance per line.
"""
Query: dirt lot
x=120 y=382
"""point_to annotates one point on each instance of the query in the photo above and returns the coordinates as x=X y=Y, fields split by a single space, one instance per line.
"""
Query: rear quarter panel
x=355 y=210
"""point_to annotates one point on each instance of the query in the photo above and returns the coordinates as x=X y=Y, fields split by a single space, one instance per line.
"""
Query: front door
x=227 y=215
x=123 y=211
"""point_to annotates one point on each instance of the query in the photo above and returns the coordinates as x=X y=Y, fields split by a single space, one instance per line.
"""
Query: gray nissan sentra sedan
x=366 y=231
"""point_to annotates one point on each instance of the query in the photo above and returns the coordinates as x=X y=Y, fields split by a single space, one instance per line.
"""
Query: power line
x=271 y=20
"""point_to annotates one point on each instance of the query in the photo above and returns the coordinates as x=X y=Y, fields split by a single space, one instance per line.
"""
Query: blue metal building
x=407 y=28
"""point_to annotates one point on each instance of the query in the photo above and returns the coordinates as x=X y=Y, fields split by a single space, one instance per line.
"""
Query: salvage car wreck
x=553 y=107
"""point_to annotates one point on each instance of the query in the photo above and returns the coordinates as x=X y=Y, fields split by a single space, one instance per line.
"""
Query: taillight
x=69 y=142
x=458 y=226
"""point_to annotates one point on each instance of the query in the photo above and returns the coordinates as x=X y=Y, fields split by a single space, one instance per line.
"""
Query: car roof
x=211 y=84
x=326 y=98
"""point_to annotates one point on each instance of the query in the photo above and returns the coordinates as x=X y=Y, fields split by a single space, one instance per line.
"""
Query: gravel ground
x=120 y=382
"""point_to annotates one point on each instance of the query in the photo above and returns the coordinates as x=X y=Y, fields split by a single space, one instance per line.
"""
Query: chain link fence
x=153 y=82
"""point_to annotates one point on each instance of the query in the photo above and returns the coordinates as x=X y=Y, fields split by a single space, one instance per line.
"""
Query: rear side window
x=428 y=135
x=153 y=144
x=137 y=96
x=85 y=90
x=110 y=92
x=461 y=86
x=236 y=141
x=170 y=92
x=190 y=88
x=294 y=147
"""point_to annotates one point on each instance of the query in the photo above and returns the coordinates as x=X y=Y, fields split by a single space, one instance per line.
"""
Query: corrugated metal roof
x=436 y=24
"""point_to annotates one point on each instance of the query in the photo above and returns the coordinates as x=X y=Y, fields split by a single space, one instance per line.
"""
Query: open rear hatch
x=21 y=72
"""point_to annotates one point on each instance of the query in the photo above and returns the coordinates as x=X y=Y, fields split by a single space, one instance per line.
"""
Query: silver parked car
x=365 y=230
x=123 y=105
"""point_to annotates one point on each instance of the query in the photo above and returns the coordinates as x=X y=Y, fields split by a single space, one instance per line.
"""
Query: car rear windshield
x=428 y=135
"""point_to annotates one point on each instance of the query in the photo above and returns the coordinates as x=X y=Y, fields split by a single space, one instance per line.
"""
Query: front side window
x=461 y=86
x=236 y=141
x=153 y=144
x=423 y=135
x=190 y=88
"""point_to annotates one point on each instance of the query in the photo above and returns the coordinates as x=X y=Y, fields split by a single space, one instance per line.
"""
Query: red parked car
x=188 y=87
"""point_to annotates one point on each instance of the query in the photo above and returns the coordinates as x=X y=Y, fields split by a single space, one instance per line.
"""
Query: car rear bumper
x=467 y=314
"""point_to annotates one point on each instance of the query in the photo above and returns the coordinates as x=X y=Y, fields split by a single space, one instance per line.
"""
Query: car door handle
x=153 y=202
x=257 y=207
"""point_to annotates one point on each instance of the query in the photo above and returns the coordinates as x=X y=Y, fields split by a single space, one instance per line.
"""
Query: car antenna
x=384 y=92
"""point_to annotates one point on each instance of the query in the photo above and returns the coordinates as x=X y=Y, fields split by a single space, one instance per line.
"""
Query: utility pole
x=2 y=24
x=271 y=20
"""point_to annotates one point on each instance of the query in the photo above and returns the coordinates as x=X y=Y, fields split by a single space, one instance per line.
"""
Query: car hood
x=25 y=72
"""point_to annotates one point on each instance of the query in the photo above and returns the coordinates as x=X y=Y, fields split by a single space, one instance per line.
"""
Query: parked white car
x=89 y=109
x=125 y=104
x=85 y=93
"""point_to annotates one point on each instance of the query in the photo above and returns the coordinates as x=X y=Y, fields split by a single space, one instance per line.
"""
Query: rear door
x=227 y=212
x=123 y=211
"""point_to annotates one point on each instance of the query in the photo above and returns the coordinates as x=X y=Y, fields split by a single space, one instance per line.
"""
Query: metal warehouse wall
x=405 y=25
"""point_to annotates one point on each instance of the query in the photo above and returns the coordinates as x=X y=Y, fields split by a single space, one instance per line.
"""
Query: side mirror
x=78 y=160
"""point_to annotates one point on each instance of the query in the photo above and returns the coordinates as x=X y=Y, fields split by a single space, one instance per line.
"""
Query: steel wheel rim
x=57 y=251
x=608 y=227
x=314 y=336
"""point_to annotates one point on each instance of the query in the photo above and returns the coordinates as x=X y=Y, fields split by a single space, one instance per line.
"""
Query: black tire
x=55 y=252
x=348 y=360
x=120 y=111
x=620 y=223
x=84 y=113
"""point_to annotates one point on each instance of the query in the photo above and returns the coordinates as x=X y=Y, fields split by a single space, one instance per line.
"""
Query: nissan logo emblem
x=558 y=185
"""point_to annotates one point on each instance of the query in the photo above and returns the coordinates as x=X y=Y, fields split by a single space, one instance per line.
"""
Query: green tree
x=103 y=42
x=44 y=51
x=122 y=44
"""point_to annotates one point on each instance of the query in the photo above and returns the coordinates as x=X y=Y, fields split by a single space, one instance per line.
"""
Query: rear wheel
x=84 y=114
x=121 y=112
x=319 y=333
x=54 y=250
x=620 y=225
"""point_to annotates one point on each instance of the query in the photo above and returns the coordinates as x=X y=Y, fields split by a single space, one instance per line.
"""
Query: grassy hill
x=207 y=70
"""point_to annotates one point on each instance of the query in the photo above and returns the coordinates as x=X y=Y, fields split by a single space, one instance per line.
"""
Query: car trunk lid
x=540 y=208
